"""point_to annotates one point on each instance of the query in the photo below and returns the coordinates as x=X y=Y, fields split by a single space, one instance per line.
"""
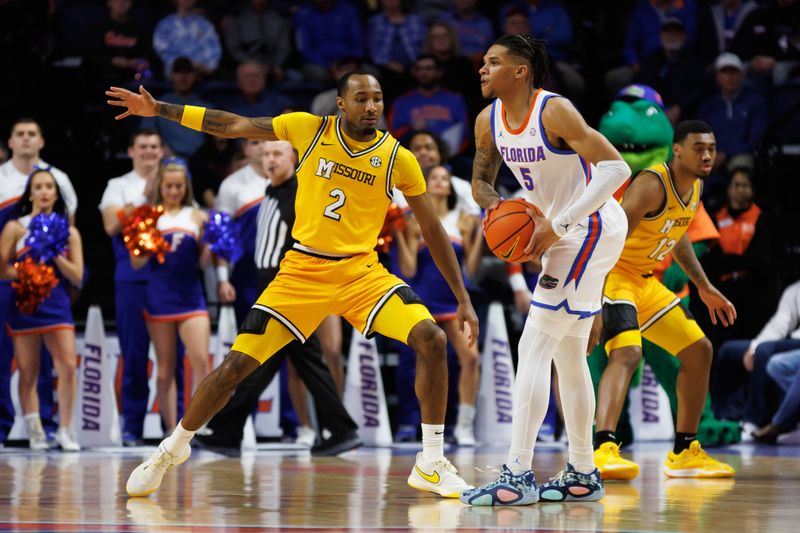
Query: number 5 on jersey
x=339 y=198
x=527 y=179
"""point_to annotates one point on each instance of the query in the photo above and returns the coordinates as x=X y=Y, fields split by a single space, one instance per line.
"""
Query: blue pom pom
x=48 y=234
x=222 y=236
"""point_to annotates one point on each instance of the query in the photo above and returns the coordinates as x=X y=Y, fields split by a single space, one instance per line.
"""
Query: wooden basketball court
x=365 y=490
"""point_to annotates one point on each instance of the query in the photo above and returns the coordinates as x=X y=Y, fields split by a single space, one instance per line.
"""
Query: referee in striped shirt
x=273 y=239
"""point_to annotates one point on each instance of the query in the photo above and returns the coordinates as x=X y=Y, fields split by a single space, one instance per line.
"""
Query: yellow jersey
x=656 y=235
x=344 y=186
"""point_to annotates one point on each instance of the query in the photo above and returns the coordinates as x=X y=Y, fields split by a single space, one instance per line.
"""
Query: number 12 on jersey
x=664 y=247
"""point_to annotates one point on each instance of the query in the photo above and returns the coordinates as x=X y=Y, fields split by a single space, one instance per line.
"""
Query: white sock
x=531 y=395
x=577 y=401
x=177 y=442
x=432 y=442
x=466 y=414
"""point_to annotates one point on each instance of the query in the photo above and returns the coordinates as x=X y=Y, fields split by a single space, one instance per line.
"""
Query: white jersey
x=124 y=190
x=241 y=191
x=573 y=270
x=13 y=182
x=552 y=178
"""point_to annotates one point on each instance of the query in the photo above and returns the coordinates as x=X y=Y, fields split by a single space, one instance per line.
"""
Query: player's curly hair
x=531 y=50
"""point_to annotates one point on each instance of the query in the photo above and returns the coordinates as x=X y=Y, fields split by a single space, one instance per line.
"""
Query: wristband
x=222 y=273
x=193 y=117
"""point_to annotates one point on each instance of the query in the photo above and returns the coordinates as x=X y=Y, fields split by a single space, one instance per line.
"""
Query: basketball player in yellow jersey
x=345 y=176
x=660 y=203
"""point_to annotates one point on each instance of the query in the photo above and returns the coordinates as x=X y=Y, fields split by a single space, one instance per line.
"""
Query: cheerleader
x=416 y=264
x=51 y=321
x=175 y=304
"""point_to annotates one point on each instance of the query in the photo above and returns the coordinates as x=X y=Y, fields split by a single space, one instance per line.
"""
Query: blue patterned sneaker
x=572 y=486
x=507 y=490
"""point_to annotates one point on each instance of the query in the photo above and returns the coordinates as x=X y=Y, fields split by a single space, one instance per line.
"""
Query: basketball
x=509 y=229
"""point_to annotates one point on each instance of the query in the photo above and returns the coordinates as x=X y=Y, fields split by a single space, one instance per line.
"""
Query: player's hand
x=226 y=292
x=594 y=334
x=488 y=211
x=748 y=360
x=719 y=307
x=466 y=317
x=140 y=105
x=543 y=235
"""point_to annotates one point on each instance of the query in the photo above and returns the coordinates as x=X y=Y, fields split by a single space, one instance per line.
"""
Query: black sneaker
x=214 y=443
x=337 y=444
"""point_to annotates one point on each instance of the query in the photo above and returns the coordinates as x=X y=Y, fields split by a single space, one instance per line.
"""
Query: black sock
x=683 y=440
x=601 y=437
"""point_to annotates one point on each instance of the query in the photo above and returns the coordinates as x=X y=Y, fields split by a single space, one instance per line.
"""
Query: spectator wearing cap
x=675 y=72
x=260 y=33
x=179 y=140
x=738 y=115
x=187 y=33
x=254 y=99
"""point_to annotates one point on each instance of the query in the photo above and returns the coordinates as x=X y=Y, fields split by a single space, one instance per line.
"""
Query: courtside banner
x=494 y=409
x=364 y=398
x=96 y=418
x=651 y=416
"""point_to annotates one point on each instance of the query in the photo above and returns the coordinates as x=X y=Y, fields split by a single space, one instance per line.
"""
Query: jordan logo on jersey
x=522 y=155
x=327 y=167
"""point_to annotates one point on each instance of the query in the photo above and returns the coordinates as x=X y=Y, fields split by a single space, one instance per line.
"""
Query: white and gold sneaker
x=146 y=478
x=439 y=477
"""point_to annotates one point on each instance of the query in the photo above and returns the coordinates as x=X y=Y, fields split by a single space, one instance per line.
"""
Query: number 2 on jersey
x=527 y=179
x=664 y=247
x=330 y=210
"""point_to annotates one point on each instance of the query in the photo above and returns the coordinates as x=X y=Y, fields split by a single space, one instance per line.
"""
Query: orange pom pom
x=36 y=282
x=140 y=234
x=394 y=221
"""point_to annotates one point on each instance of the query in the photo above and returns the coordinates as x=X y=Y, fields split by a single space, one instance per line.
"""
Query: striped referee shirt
x=274 y=228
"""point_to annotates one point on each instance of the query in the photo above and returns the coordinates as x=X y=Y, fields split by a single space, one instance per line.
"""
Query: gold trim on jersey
x=314 y=142
x=390 y=166
x=347 y=148
x=666 y=193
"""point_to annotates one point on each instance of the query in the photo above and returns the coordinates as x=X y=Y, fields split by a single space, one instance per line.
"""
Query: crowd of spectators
x=733 y=63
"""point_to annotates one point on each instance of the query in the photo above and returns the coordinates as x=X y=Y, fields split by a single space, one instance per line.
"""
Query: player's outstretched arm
x=486 y=162
x=719 y=307
x=211 y=121
x=445 y=259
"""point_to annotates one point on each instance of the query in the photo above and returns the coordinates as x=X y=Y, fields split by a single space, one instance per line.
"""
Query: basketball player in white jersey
x=570 y=172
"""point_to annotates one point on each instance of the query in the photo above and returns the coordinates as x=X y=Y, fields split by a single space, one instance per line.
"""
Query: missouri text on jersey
x=522 y=155
x=325 y=167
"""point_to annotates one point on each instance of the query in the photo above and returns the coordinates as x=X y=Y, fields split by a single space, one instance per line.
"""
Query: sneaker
x=572 y=486
x=695 y=462
x=612 y=465
x=464 y=434
x=306 y=436
x=65 y=438
x=509 y=489
x=336 y=444
x=146 y=478
x=439 y=477
x=37 y=440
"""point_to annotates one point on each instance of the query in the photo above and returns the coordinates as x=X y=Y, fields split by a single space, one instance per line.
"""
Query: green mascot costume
x=637 y=126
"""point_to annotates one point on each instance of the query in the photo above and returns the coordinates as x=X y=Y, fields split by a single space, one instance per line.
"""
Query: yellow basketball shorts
x=635 y=306
x=308 y=288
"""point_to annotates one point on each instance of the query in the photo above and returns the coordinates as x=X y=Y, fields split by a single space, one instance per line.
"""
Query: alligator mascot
x=637 y=126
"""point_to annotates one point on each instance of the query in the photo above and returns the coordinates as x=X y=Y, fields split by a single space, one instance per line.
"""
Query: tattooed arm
x=486 y=163
x=718 y=305
x=215 y=122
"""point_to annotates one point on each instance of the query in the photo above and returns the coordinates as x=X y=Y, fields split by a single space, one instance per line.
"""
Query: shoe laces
x=162 y=460
x=445 y=464
x=697 y=450
x=569 y=477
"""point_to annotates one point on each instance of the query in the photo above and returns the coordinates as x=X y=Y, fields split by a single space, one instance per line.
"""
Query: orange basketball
x=509 y=229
